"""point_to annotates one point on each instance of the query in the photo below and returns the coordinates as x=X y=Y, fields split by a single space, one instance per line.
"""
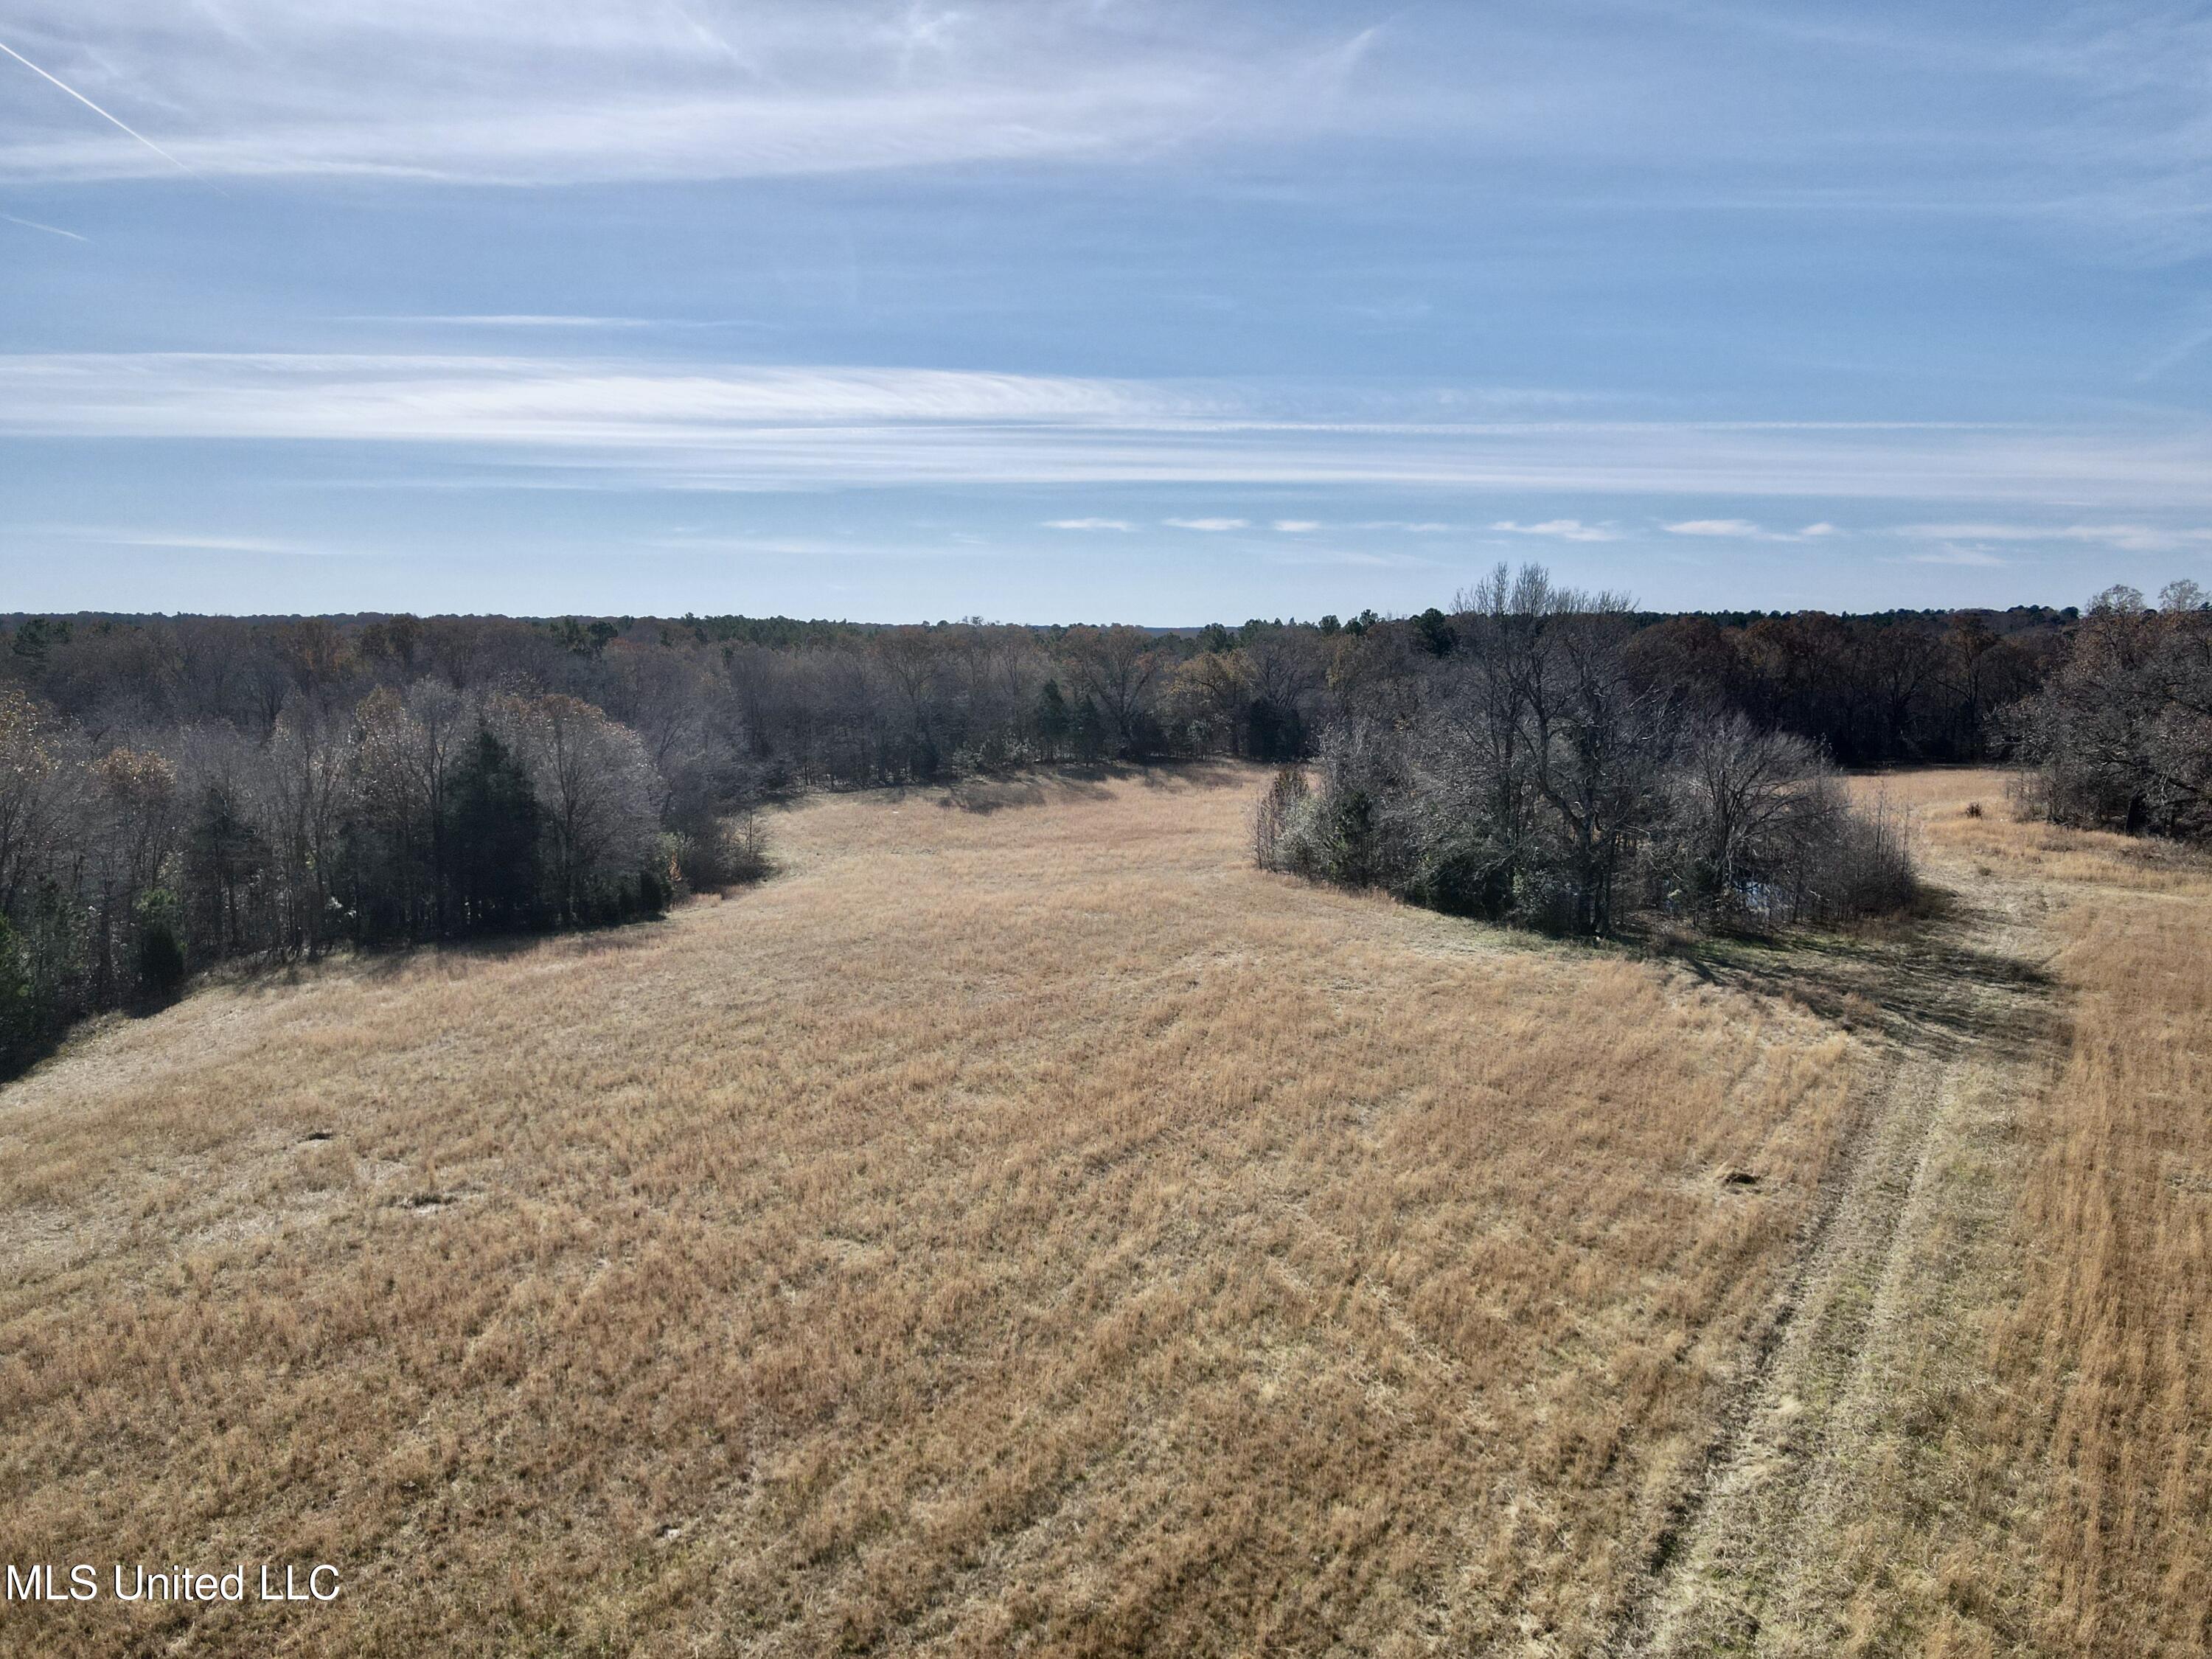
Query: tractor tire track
x=1735 y=1567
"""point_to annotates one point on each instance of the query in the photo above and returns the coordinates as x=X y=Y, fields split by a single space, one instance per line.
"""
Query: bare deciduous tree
x=1540 y=778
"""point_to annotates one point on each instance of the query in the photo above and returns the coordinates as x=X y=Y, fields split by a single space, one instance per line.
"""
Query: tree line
x=2119 y=737
x=1555 y=758
x=829 y=704
x=179 y=791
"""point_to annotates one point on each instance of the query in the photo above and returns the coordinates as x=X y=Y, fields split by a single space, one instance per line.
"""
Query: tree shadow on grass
x=1926 y=982
x=588 y=939
x=457 y=957
x=27 y=1052
x=1207 y=774
x=1043 y=785
x=984 y=796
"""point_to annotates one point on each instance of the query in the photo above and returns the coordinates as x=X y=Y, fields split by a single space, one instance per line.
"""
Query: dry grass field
x=1988 y=1427
x=1028 y=1229
x=2062 y=1500
x=1022 y=1226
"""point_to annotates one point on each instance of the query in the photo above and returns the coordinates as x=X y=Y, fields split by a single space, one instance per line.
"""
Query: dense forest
x=175 y=792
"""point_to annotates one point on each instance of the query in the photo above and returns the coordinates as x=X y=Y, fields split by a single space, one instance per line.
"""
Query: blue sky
x=1081 y=309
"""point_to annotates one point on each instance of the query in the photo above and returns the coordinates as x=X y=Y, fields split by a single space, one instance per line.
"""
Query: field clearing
x=1021 y=1225
x=1026 y=1228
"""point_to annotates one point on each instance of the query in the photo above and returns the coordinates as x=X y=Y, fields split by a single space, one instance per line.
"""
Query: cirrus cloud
x=574 y=422
x=528 y=92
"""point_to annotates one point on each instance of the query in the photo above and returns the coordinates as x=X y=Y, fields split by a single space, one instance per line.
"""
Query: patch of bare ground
x=1019 y=1228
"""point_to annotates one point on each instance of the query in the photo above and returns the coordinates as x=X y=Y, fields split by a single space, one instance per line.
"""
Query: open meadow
x=1105 y=829
x=1021 y=1225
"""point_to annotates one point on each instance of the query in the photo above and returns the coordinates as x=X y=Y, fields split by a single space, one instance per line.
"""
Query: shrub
x=712 y=854
x=1858 y=864
x=1463 y=880
x=1275 y=822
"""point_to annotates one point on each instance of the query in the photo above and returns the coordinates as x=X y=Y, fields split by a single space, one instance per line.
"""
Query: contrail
x=52 y=230
x=96 y=109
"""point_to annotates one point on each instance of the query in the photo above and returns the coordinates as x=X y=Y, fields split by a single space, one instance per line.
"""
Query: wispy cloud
x=502 y=91
x=2126 y=537
x=2082 y=119
x=1391 y=311
x=210 y=543
x=1746 y=530
x=578 y=420
x=1735 y=527
x=185 y=541
x=1211 y=525
x=582 y=402
x=1298 y=527
x=554 y=323
x=510 y=319
x=1122 y=525
x=1356 y=558
x=1979 y=557
x=790 y=546
x=1565 y=530
x=2187 y=346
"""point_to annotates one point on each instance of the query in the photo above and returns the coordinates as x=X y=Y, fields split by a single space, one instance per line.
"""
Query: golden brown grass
x=2046 y=1484
x=2108 y=1358
x=1030 y=1231
x=2106 y=1363
x=1998 y=841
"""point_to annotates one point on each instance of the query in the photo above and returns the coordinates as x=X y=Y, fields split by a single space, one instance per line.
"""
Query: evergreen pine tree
x=1052 y=720
x=493 y=823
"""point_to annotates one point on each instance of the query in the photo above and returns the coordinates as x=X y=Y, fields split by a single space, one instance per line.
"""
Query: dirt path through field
x=1904 y=1246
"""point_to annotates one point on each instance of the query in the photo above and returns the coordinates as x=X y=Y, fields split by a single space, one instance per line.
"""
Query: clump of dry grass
x=1033 y=1230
